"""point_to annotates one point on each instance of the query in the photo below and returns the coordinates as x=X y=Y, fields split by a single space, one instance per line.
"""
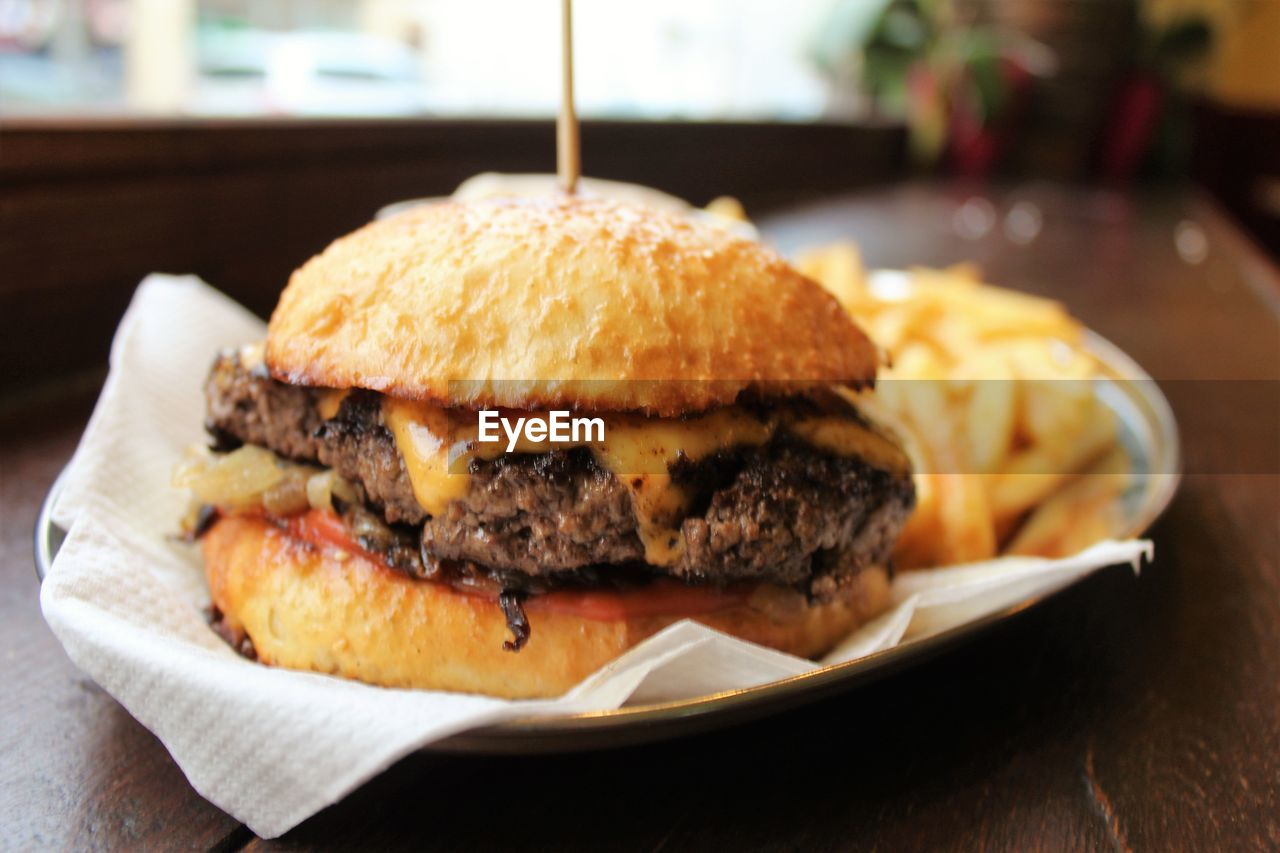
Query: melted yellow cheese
x=328 y=402
x=422 y=434
x=639 y=452
x=437 y=448
x=847 y=437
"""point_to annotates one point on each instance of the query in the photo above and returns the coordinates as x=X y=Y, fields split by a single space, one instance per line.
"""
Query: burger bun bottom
x=322 y=609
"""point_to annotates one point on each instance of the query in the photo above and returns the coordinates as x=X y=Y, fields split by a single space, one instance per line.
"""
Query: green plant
x=918 y=60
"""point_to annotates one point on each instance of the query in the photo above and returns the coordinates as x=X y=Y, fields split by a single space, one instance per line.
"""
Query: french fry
x=987 y=427
x=917 y=545
x=1083 y=512
x=968 y=533
x=1029 y=476
x=1054 y=410
x=838 y=268
x=997 y=393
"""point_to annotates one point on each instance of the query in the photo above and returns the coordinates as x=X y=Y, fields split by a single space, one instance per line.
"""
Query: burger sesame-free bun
x=326 y=610
x=487 y=185
x=561 y=301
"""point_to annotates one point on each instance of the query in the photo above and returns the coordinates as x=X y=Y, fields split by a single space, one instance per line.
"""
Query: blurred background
x=233 y=138
x=1071 y=88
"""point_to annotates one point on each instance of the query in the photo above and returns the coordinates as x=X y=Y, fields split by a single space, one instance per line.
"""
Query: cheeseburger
x=490 y=445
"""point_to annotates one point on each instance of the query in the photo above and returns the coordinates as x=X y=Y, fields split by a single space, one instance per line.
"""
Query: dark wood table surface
x=1131 y=713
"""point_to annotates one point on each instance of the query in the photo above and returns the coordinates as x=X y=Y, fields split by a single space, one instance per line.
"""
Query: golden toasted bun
x=559 y=302
x=324 y=610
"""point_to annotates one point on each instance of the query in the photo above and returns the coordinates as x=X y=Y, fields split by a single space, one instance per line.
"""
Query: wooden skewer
x=568 y=154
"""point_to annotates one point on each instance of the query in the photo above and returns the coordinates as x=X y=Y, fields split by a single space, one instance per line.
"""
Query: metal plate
x=1150 y=435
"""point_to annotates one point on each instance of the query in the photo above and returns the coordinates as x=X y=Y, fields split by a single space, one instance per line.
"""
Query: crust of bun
x=590 y=304
x=326 y=610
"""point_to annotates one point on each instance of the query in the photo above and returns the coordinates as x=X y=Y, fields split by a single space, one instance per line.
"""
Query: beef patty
x=783 y=512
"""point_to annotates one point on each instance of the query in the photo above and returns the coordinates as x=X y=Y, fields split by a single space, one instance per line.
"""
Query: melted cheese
x=422 y=434
x=847 y=437
x=639 y=451
x=328 y=402
x=437 y=446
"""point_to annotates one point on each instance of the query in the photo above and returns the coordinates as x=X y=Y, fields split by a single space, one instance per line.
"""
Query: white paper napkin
x=271 y=746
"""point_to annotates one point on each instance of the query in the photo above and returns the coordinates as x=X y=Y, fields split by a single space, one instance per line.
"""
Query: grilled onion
x=251 y=477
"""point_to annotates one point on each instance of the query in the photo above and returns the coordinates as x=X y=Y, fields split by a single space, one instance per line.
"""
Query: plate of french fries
x=1030 y=435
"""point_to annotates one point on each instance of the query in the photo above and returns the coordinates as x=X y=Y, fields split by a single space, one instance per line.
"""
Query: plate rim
x=540 y=732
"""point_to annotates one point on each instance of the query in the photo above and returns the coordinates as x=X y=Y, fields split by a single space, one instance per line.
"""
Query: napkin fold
x=272 y=746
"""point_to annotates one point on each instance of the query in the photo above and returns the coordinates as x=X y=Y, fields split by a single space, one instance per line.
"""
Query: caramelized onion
x=288 y=496
x=322 y=488
x=253 y=478
x=235 y=480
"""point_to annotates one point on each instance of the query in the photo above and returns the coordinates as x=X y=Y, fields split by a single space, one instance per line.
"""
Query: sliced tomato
x=322 y=527
x=662 y=597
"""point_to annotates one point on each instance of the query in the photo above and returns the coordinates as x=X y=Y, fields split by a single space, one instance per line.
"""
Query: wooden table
x=1127 y=713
